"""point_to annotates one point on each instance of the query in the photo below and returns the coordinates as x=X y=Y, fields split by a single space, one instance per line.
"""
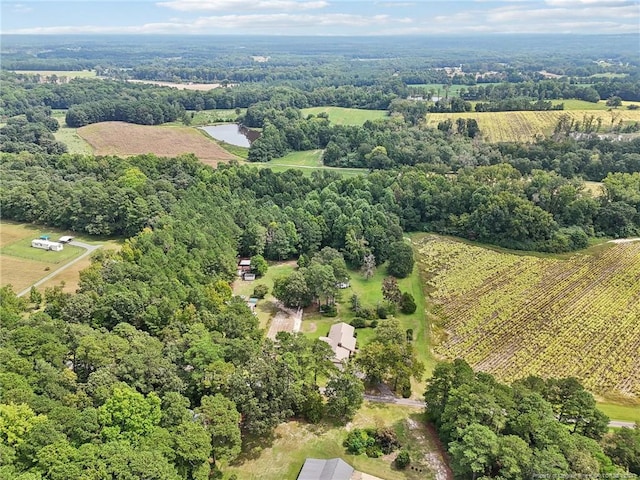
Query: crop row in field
x=517 y=315
x=527 y=126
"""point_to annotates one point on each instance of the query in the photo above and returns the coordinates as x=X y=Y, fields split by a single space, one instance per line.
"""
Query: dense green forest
x=532 y=429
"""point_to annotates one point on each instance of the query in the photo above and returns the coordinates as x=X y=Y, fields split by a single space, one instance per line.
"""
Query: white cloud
x=20 y=8
x=577 y=3
x=281 y=23
x=242 y=5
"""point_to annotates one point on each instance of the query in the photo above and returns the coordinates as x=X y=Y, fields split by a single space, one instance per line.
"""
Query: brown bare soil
x=124 y=139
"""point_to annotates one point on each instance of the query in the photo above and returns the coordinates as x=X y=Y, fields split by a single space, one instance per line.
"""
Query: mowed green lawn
x=307 y=161
x=74 y=143
x=23 y=249
x=293 y=442
x=623 y=413
x=347 y=116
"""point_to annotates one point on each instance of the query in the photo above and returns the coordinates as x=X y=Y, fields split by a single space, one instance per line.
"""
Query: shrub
x=382 y=311
x=403 y=460
x=367 y=313
x=371 y=442
x=358 y=322
x=328 y=310
x=387 y=439
x=407 y=303
x=355 y=303
x=373 y=451
x=373 y=324
x=357 y=441
x=405 y=389
x=260 y=291
x=409 y=334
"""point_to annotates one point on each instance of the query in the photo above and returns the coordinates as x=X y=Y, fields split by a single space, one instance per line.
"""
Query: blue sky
x=320 y=17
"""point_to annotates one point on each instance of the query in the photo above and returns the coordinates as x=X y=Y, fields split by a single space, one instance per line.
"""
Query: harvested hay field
x=20 y=273
x=202 y=87
x=124 y=139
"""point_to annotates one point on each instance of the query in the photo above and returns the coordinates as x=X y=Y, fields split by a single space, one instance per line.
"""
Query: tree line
x=285 y=215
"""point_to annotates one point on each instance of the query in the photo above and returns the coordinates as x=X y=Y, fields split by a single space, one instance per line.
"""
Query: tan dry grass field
x=203 y=87
x=125 y=139
x=526 y=126
x=21 y=272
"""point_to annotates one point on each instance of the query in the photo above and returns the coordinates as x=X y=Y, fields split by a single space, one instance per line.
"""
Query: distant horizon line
x=322 y=35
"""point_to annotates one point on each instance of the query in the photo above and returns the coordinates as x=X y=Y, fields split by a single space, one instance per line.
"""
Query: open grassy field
x=369 y=292
x=625 y=413
x=518 y=315
x=60 y=73
x=573 y=104
x=293 y=442
x=307 y=161
x=347 y=116
x=22 y=265
x=526 y=126
x=124 y=139
x=74 y=142
x=208 y=117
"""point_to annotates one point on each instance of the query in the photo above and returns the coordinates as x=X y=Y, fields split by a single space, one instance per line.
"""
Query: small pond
x=232 y=133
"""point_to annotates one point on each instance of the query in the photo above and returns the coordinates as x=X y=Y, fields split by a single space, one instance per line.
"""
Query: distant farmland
x=526 y=126
x=124 y=139
x=346 y=116
x=60 y=73
x=518 y=315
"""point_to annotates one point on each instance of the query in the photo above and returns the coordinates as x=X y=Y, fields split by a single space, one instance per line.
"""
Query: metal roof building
x=333 y=469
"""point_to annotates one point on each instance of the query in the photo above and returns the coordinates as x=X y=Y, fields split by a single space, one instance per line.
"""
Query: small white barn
x=46 y=245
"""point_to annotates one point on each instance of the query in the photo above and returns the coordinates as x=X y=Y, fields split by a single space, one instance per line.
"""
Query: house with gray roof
x=333 y=469
x=342 y=340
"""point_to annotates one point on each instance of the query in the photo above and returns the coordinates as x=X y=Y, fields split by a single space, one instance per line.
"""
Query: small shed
x=249 y=277
x=333 y=469
x=244 y=265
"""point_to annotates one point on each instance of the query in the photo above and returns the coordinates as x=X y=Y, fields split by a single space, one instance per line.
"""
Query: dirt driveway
x=285 y=320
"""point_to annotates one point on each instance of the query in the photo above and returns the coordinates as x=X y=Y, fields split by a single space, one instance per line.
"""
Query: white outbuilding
x=46 y=245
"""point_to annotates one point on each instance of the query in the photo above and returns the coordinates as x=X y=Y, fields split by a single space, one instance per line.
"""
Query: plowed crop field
x=124 y=139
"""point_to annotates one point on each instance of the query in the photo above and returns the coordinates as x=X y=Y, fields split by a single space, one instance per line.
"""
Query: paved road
x=407 y=402
x=89 y=250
